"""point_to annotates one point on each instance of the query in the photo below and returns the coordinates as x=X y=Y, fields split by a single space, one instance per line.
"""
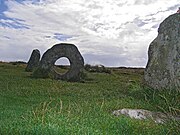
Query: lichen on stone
x=163 y=67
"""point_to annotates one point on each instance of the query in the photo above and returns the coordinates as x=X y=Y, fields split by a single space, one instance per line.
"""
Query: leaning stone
x=163 y=67
x=46 y=68
x=33 y=62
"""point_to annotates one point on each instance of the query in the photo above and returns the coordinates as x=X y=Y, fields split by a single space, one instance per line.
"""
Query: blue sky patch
x=10 y=22
x=14 y=23
x=3 y=6
x=61 y=37
x=32 y=1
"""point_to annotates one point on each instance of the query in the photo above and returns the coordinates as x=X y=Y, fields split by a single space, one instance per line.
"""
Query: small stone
x=142 y=114
x=33 y=62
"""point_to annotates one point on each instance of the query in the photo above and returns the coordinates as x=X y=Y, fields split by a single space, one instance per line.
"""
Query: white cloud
x=114 y=33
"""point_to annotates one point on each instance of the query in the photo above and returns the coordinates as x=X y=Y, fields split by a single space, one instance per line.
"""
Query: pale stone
x=142 y=114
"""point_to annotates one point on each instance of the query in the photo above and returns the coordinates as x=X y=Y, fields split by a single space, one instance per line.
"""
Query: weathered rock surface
x=163 y=67
x=71 y=52
x=97 y=68
x=141 y=114
x=33 y=62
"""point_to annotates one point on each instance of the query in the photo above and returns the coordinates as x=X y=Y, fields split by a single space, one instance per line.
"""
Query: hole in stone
x=62 y=65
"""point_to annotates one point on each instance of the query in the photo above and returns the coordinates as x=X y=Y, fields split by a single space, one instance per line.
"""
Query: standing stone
x=33 y=62
x=163 y=67
x=71 y=52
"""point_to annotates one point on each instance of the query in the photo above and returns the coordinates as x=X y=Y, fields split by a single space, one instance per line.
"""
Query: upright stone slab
x=163 y=67
x=33 y=61
x=71 y=52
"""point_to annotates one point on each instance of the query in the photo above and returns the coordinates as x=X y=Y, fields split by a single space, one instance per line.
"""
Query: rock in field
x=142 y=114
x=71 y=52
x=163 y=67
x=33 y=62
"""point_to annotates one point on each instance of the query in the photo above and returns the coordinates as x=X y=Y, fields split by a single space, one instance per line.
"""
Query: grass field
x=30 y=106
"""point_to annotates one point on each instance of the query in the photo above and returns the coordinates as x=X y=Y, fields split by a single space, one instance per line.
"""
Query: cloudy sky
x=108 y=32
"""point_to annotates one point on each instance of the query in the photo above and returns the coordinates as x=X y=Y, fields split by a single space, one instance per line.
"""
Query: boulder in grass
x=163 y=67
x=33 y=62
x=46 y=67
x=142 y=114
